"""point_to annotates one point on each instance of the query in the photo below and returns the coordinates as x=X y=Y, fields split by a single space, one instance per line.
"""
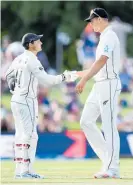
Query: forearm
x=82 y=73
x=94 y=69
x=49 y=80
x=54 y=80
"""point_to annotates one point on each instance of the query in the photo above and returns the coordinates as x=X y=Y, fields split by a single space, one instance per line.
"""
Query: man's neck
x=33 y=51
x=104 y=27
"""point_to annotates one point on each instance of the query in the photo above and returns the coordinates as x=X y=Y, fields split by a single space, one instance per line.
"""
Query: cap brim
x=38 y=37
x=90 y=18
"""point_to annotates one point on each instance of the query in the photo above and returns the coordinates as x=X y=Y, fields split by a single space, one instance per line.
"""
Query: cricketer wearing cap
x=104 y=96
x=23 y=77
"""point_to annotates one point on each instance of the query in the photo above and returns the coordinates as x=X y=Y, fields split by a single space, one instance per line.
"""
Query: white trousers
x=25 y=113
x=103 y=101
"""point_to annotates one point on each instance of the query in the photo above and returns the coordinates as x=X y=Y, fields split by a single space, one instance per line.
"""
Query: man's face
x=96 y=24
x=37 y=45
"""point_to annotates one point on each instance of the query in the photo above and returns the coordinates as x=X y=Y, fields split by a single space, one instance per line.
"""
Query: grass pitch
x=77 y=172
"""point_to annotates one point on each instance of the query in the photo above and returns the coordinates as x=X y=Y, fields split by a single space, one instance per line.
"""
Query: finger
x=80 y=90
x=77 y=89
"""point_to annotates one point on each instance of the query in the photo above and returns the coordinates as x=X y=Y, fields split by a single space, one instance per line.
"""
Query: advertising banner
x=68 y=144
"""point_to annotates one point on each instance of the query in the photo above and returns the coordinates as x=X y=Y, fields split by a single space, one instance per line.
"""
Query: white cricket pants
x=25 y=112
x=103 y=101
x=25 y=115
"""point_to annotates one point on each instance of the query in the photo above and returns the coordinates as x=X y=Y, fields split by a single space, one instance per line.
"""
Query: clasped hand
x=70 y=76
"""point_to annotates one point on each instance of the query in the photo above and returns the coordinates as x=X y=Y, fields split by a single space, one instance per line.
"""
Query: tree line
x=48 y=17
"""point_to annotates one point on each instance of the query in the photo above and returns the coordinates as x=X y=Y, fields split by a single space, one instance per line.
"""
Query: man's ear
x=30 y=44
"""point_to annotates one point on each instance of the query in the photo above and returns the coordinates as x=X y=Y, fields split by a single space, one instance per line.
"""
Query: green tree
x=46 y=17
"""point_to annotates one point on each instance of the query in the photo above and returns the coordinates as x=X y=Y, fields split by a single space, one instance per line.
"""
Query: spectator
x=126 y=80
x=6 y=120
x=42 y=57
x=5 y=42
x=15 y=48
x=11 y=52
x=51 y=113
x=72 y=104
x=128 y=64
x=8 y=57
x=122 y=30
x=125 y=123
x=86 y=47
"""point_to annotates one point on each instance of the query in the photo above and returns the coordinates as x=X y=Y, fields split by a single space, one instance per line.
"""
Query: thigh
x=33 y=109
x=16 y=116
x=107 y=90
x=90 y=113
x=91 y=109
x=109 y=102
x=23 y=119
x=36 y=111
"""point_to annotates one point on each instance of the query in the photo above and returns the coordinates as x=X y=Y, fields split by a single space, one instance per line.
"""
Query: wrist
x=85 y=79
x=80 y=74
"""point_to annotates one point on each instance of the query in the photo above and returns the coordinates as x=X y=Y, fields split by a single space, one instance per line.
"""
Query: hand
x=80 y=86
x=70 y=76
x=12 y=92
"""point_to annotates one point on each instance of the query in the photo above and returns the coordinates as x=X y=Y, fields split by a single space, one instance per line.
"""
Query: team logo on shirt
x=104 y=103
x=106 y=48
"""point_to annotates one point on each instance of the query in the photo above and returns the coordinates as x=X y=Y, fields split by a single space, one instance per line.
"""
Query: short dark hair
x=30 y=38
x=26 y=45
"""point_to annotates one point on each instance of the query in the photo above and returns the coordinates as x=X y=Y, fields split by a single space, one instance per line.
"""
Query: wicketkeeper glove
x=11 y=84
x=69 y=76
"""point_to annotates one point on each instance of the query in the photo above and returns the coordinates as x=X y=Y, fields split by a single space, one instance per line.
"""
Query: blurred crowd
x=54 y=114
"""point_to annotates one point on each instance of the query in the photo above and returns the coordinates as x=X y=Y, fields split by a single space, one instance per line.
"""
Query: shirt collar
x=105 y=30
x=30 y=53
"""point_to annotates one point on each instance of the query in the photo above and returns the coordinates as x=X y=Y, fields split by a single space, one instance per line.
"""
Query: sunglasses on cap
x=93 y=12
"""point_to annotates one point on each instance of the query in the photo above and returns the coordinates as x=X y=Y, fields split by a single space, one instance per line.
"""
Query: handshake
x=69 y=76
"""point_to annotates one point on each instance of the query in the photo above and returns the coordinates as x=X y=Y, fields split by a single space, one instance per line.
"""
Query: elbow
x=103 y=59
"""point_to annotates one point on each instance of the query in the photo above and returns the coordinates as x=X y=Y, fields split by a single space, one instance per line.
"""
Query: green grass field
x=69 y=172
